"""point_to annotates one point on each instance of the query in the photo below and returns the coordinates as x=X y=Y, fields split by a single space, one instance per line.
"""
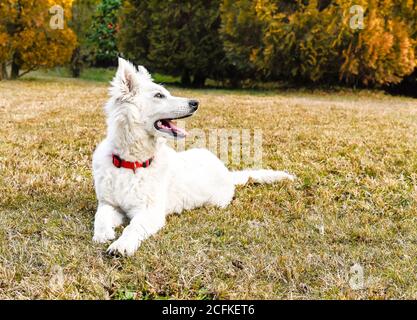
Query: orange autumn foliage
x=313 y=41
x=27 y=39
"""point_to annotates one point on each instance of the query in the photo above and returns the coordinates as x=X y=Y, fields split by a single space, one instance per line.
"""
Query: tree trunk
x=185 y=78
x=3 y=72
x=235 y=83
x=76 y=63
x=199 y=80
x=15 y=67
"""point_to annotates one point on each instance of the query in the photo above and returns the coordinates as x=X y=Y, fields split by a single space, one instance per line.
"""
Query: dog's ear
x=145 y=73
x=125 y=84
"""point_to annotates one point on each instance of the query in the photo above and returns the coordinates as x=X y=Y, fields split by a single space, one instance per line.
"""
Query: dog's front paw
x=124 y=247
x=104 y=236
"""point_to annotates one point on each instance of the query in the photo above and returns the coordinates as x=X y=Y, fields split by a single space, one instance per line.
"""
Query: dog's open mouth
x=169 y=126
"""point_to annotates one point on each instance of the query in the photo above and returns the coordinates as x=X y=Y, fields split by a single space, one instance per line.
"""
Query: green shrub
x=82 y=18
x=102 y=38
x=175 y=37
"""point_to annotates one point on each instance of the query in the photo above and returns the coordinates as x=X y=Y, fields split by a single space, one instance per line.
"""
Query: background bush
x=82 y=18
x=102 y=37
x=294 y=41
x=241 y=33
x=176 y=37
x=312 y=41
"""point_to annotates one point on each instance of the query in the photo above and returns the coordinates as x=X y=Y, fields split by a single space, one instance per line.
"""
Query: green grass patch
x=90 y=74
x=354 y=201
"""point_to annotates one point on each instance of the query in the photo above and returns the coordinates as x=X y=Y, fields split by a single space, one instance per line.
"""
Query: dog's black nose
x=193 y=104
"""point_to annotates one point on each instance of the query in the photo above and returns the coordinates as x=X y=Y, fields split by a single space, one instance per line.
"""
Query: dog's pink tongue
x=176 y=129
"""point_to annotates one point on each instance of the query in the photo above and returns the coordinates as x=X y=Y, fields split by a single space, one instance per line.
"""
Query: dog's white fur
x=175 y=181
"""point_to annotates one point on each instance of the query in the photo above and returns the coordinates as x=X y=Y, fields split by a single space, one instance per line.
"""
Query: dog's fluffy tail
x=260 y=176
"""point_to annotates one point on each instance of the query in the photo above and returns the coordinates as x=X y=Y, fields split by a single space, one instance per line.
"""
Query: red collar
x=120 y=163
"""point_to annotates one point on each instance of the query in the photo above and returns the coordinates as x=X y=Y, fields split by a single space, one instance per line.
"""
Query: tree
x=135 y=27
x=298 y=40
x=241 y=32
x=4 y=43
x=175 y=37
x=314 y=41
x=34 y=34
x=102 y=38
x=384 y=52
x=82 y=18
x=408 y=85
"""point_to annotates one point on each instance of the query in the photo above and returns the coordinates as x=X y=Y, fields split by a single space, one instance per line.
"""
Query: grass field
x=90 y=74
x=354 y=201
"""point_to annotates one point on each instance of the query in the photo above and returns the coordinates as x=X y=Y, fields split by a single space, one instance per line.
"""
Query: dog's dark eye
x=159 y=95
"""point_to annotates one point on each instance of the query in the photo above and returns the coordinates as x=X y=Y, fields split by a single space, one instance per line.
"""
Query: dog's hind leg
x=107 y=218
x=223 y=195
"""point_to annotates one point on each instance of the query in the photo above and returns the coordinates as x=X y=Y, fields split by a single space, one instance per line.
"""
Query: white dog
x=138 y=176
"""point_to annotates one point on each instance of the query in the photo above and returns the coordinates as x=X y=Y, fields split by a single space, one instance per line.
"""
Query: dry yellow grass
x=354 y=201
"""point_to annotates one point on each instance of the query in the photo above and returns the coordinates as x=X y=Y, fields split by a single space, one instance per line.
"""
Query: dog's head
x=142 y=104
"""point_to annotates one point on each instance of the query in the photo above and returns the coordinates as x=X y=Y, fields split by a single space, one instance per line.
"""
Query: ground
x=353 y=204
